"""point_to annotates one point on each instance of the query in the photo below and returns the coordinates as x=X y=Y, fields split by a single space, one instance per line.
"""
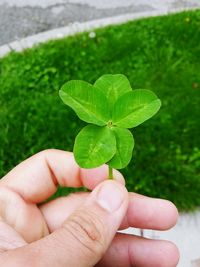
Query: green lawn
x=161 y=54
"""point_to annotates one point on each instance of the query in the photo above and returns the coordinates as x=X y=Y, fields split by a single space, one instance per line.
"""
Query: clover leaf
x=111 y=107
x=87 y=101
x=94 y=146
x=135 y=107
x=113 y=86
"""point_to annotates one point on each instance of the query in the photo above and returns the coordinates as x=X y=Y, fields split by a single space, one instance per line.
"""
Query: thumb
x=86 y=234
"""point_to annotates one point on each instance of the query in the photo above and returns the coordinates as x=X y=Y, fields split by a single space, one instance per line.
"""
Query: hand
x=78 y=230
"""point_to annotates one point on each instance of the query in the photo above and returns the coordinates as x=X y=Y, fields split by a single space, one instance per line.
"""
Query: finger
x=56 y=211
x=24 y=217
x=128 y=251
x=143 y=212
x=9 y=238
x=150 y=213
x=36 y=178
x=84 y=236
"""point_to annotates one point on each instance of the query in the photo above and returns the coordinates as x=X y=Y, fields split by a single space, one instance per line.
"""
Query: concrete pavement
x=22 y=18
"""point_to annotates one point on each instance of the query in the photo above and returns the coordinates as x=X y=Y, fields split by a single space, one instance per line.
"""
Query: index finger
x=37 y=178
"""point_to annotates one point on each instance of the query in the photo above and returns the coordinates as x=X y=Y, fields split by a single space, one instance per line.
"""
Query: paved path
x=22 y=18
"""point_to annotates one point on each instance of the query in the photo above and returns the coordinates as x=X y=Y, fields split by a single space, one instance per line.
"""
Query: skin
x=34 y=233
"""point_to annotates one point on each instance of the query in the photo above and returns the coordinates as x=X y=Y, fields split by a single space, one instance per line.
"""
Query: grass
x=161 y=54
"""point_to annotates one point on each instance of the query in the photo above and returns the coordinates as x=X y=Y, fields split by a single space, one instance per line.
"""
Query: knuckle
x=47 y=151
x=87 y=229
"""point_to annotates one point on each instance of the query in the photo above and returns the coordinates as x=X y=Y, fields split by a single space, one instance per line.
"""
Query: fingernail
x=110 y=196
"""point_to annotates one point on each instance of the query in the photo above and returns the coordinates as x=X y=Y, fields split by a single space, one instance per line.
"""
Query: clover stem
x=110 y=173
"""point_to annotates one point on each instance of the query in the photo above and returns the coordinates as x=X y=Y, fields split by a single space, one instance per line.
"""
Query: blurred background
x=161 y=54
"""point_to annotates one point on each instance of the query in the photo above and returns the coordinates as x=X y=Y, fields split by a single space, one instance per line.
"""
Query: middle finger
x=143 y=212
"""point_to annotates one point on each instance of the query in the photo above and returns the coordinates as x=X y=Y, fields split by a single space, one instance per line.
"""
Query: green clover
x=111 y=107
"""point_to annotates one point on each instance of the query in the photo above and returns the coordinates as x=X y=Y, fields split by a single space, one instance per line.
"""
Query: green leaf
x=124 y=148
x=94 y=146
x=113 y=86
x=87 y=101
x=135 y=107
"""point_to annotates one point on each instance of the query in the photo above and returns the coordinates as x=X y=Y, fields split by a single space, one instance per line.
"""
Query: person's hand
x=79 y=230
